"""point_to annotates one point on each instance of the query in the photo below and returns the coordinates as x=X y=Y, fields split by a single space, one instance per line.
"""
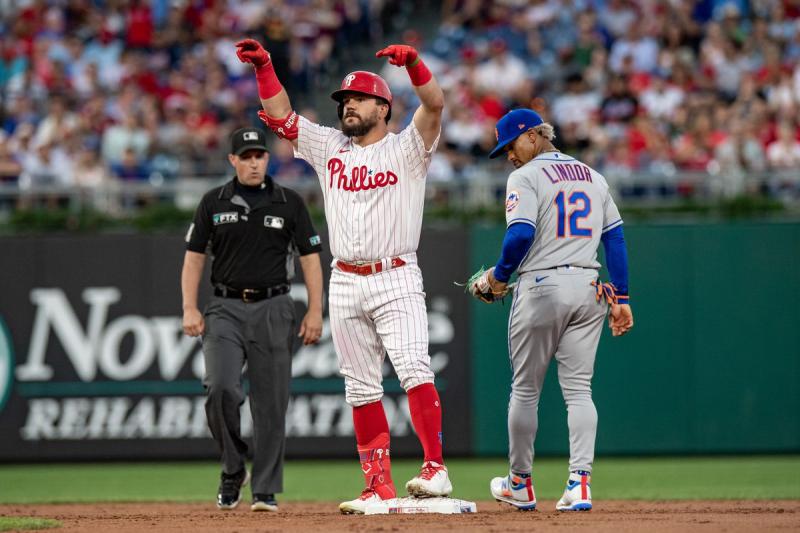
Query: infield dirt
x=609 y=516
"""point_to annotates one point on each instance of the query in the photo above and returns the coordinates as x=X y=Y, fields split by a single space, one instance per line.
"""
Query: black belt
x=251 y=295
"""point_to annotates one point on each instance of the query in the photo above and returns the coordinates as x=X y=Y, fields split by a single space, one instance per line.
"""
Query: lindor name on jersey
x=361 y=178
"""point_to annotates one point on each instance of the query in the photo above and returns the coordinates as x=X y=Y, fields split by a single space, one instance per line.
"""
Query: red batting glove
x=400 y=55
x=251 y=51
x=403 y=55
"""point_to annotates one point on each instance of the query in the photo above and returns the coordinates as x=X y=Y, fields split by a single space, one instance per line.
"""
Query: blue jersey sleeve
x=516 y=244
x=617 y=261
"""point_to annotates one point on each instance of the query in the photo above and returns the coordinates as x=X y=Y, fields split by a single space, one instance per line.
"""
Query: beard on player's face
x=358 y=126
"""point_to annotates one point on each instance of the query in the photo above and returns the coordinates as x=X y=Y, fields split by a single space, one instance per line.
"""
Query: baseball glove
x=478 y=286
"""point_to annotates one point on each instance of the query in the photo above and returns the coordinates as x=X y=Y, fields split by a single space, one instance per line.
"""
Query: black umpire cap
x=245 y=139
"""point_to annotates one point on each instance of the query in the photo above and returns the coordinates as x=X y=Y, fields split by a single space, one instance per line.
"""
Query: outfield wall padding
x=93 y=364
x=712 y=364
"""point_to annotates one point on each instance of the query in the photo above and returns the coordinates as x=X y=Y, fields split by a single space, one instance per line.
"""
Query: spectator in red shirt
x=139 y=25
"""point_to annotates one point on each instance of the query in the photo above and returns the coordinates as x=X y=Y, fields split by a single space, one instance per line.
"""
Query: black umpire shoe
x=230 y=489
x=264 y=502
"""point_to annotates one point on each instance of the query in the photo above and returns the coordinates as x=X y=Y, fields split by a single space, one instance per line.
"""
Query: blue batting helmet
x=512 y=125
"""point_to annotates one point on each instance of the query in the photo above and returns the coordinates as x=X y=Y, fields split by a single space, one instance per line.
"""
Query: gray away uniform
x=554 y=312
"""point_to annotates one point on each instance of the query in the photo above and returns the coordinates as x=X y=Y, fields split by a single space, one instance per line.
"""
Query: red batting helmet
x=364 y=82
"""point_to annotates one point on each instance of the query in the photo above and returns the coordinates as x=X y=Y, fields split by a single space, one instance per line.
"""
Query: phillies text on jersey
x=374 y=195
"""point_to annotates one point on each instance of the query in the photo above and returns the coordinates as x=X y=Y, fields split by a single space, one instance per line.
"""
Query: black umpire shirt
x=252 y=234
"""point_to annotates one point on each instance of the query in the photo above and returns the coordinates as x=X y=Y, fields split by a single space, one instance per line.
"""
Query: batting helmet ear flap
x=340 y=110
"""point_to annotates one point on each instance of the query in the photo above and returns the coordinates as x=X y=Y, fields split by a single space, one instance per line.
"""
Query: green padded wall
x=712 y=364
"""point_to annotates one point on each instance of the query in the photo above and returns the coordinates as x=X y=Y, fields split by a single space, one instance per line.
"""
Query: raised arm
x=428 y=117
x=277 y=113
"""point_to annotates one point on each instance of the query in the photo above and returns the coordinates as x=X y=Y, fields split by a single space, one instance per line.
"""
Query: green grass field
x=769 y=477
x=17 y=523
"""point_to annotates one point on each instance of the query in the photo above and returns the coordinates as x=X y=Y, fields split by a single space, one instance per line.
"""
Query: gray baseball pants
x=554 y=314
x=259 y=333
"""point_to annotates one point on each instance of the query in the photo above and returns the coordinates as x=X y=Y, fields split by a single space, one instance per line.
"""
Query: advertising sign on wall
x=94 y=364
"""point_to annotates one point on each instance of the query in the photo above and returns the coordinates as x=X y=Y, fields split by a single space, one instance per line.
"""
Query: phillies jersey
x=569 y=205
x=374 y=195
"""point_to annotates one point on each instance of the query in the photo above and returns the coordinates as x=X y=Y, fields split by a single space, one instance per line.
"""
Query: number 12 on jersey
x=581 y=207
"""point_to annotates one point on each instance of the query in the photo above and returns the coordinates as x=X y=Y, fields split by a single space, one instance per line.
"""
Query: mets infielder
x=373 y=184
x=558 y=210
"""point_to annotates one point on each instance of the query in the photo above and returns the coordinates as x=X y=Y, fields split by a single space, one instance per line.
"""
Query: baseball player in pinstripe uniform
x=558 y=210
x=373 y=184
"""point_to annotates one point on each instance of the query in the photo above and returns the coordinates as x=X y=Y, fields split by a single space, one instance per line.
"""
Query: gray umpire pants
x=259 y=333
x=554 y=314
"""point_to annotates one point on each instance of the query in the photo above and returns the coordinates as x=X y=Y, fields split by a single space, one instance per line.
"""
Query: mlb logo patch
x=250 y=136
x=273 y=222
x=512 y=201
x=225 y=218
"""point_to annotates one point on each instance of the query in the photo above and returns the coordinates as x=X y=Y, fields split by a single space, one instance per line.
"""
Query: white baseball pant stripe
x=375 y=315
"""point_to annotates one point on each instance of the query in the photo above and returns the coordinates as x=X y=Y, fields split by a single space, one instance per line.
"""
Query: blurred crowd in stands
x=93 y=91
x=645 y=89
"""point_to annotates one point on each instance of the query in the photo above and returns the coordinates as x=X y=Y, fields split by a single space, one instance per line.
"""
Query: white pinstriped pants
x=374 y=315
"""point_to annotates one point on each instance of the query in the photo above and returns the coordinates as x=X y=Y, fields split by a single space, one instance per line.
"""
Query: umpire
x=253 y=228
